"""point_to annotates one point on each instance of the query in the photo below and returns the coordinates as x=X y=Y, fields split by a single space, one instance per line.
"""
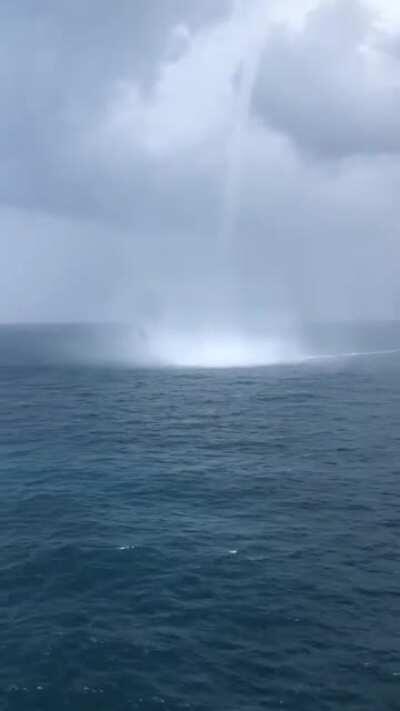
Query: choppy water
x=206 y=540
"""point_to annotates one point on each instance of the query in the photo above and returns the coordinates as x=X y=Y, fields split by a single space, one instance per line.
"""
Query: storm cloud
x=115 y=131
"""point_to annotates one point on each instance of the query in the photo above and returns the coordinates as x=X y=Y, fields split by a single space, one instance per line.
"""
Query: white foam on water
x=351 y=354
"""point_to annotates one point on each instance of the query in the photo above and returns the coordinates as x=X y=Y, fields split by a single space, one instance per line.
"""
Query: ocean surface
x=204 y=539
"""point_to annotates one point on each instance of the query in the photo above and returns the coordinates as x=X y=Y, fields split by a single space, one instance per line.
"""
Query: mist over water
x=210 y=349
x=130 y=346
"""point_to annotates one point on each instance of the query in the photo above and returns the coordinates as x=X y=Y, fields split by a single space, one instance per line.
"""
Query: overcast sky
x=126 y=133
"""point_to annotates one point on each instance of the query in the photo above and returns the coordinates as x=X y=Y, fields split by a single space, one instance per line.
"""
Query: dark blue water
x=205 y=540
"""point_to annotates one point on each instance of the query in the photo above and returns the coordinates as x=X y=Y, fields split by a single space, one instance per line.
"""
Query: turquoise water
x=199 y=539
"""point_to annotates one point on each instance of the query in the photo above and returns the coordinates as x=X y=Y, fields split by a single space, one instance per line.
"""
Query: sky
x=187 y=159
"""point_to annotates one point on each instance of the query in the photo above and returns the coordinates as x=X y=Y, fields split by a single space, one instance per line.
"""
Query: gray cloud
x=58 y=66
x=115 y=134
x=323 y=88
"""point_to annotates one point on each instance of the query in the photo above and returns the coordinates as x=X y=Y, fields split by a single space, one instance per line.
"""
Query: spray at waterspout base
x=210 y=349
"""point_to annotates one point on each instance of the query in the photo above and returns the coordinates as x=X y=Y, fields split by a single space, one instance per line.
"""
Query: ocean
x=203 y=539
